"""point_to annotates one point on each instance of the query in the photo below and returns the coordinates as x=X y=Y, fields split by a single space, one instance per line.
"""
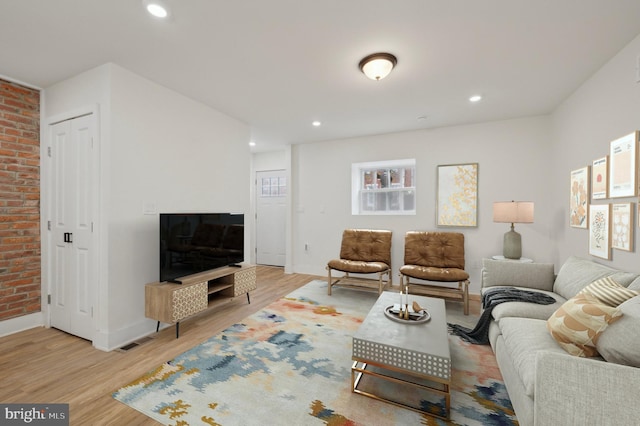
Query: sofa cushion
x=625 y=279
x=578 y=323
x=619 y=343
x=635 y=285
x=577 y=273
x=523 y=338
x=538 y=276
x=608 y=291
x=527 y=310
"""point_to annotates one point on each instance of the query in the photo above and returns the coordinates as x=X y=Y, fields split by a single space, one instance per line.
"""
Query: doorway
x=271 y=217
x=71 y=254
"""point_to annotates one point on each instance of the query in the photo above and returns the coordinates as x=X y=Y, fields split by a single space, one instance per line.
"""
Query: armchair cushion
x=434 y=249
x=357 y=266
x=434 y=274
x=366 y=245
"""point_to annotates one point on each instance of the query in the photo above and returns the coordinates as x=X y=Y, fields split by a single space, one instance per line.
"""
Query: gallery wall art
x=616 y=175
x=623 y=173
x=579 y=200
x=600 y=178
x=457 y=195
x=622 y=226
x=599 y=230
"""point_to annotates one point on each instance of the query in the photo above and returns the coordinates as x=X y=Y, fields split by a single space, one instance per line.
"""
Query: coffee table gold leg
x=354 y=380
x=447 y=398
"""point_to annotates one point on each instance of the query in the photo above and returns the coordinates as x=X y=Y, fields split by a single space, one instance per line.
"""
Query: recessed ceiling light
x=475 y=98
x=156 y=7
x=316 y=123
x=252 y=143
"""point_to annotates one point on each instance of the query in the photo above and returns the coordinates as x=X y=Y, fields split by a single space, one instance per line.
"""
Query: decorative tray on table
x=418 y=316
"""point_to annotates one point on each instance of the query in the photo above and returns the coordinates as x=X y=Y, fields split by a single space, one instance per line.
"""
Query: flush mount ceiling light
x=378 y=65
x=475 y=98
x=156 y=7
x=316 y=123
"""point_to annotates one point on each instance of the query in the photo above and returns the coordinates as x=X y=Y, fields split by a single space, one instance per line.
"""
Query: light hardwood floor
x=45 y=365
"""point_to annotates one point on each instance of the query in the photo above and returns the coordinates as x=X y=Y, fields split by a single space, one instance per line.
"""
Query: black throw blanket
x=490 y=299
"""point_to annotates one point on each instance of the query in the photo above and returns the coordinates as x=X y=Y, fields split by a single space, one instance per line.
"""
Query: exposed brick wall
x=20 y=275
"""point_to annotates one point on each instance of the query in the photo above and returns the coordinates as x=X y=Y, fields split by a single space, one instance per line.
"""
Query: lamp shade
x=378 y=65
x=513 y=212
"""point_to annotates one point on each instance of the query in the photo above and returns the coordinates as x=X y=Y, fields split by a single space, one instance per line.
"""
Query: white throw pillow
x=620 y=343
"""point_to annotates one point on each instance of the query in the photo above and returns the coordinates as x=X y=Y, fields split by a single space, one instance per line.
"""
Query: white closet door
x=72 y=283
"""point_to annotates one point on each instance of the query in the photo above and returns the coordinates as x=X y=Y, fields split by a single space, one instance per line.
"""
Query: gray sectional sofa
x=547 y=385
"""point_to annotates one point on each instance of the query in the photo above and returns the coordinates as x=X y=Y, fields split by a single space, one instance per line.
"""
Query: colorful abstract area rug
x=290 y=364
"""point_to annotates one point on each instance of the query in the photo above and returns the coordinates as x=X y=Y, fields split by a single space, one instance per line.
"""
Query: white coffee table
x=393 y=353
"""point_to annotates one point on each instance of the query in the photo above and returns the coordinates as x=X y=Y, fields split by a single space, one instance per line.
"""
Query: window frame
x=383 y=189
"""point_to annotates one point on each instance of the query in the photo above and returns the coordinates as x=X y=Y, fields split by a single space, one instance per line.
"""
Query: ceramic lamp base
x=512 y=247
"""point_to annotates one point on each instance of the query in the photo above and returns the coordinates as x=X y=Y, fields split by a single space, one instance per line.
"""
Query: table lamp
x=512 y=212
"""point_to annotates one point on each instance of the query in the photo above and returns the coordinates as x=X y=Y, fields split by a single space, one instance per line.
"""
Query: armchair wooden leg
x=329 y=282
x=465 y=296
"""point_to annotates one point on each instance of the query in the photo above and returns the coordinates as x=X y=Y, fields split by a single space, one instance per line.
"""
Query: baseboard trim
x=113 y=340
x=25 y=322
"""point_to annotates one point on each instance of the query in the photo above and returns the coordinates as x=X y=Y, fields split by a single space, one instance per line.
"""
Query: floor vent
x=135 y=344
x=129 y=346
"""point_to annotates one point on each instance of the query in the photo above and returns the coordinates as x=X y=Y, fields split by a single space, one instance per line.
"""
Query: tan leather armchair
x=363 y=251
x=435 y=256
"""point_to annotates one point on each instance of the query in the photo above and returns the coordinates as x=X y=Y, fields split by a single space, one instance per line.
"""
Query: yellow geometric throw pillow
x=577 y=324
x=609 y=292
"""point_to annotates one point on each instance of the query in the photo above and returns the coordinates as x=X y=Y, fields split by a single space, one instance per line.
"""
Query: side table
x=521 y=260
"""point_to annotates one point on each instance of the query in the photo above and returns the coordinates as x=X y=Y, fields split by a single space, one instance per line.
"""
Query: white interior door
x=72 y=274
x=271 y=217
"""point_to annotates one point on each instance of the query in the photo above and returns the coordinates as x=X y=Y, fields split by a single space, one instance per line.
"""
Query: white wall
x=160 y=150
x=513 y=159
x=270 y=160
x=603 y=109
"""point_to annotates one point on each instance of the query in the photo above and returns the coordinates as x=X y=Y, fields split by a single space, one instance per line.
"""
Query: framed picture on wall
x=623 y=168
x=579 y=199
x=622 y=226
x=600 y=178
x=457 y=195
x=599 y=230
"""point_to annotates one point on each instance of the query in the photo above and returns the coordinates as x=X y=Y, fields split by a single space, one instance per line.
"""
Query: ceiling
x=278 y=65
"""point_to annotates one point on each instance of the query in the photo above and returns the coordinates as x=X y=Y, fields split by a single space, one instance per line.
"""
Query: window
x=273 y=187
x=383 y=187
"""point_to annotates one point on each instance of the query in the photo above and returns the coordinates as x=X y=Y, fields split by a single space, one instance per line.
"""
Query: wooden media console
x=170 y=303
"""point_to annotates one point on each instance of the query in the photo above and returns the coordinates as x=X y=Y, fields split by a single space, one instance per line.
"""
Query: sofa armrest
x=539 y=276
x=578 y=391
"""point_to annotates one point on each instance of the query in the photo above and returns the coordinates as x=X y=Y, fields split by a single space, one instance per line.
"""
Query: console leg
x=248 y=299
x=158 y=326
x=177 y=330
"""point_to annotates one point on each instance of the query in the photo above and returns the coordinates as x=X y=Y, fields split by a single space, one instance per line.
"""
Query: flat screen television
x=195 y=242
